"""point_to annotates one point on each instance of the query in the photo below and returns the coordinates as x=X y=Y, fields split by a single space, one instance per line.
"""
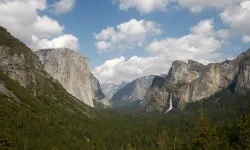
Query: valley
x=49 y=99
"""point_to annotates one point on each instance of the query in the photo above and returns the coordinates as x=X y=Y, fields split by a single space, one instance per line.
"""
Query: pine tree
x=244 y=132
x=4 y=143
x=163 y=141
x=206 y=138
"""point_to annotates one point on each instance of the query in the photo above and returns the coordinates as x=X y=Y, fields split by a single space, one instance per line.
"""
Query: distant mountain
x=72 y=71
x=132 y=95
x=109 y=89
x=193 y=81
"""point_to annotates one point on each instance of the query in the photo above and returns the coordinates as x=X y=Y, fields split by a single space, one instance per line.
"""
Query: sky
x=127 y=39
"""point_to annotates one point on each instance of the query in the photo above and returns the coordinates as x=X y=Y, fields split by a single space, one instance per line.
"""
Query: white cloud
x=45 y=26
x=198 y=5
x=195 y=6
x=126 y=35
x=204 y=27
x=143 y=6
x=200 y=45
x=63 y=6
x=22 y=20
x=102 y=45
x=246 y=39
x=237 y=17
x=223 y=33
x=66 y=40
x=119 y=69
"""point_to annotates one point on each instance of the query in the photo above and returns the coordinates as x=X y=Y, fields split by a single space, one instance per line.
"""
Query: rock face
x=242 y=83
x=183 y=73
x=95 y=86
x=132 y=92
x=20 y=64
x=73 y=72
x=8 y=93
x=193 y=81
x=110 y=89
x=162 y=87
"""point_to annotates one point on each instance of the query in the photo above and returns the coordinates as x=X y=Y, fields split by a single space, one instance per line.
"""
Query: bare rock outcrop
x=181 y=73
x=73 y=72
x=193 y=81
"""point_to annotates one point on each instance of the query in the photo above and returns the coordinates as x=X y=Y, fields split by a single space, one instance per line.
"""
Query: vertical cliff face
x=158 y=94
x=214 y=78
x=183 y=73
x=95 y=85
x=242 y=83
x=98 y=95
x=73 y=72
x=193 y=81
x=180 y=74
x=232 y=74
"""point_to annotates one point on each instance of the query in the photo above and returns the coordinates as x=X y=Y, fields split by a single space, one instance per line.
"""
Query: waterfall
x=171 y=104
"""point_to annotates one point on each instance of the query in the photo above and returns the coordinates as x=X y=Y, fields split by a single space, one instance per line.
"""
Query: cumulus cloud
x=195 y=6
x=198 y=5
x=200 y=45
x=65 y=40
x=126 y=35
x=246 y=39
x=237 y=17
x=23 y=21
x=143 y=6
x=63 y=6
x=119 y=69
x=45 y=27
x=223 y=33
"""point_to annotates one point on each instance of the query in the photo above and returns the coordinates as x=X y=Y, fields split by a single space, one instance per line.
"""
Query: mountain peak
x=60 y=52
x=244 y=56
x=246 y=53
x=182 y=72
x=178 y=62
x=190 y=61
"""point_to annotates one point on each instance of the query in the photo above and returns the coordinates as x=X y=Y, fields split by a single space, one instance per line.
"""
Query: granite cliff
x=181 y=73
x=193 y=81
x=73 y=72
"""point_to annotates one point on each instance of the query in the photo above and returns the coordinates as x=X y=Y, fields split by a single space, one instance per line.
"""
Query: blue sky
x=127 y=39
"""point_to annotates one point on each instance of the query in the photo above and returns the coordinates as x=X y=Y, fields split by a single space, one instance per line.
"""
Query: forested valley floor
x=222 y=123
